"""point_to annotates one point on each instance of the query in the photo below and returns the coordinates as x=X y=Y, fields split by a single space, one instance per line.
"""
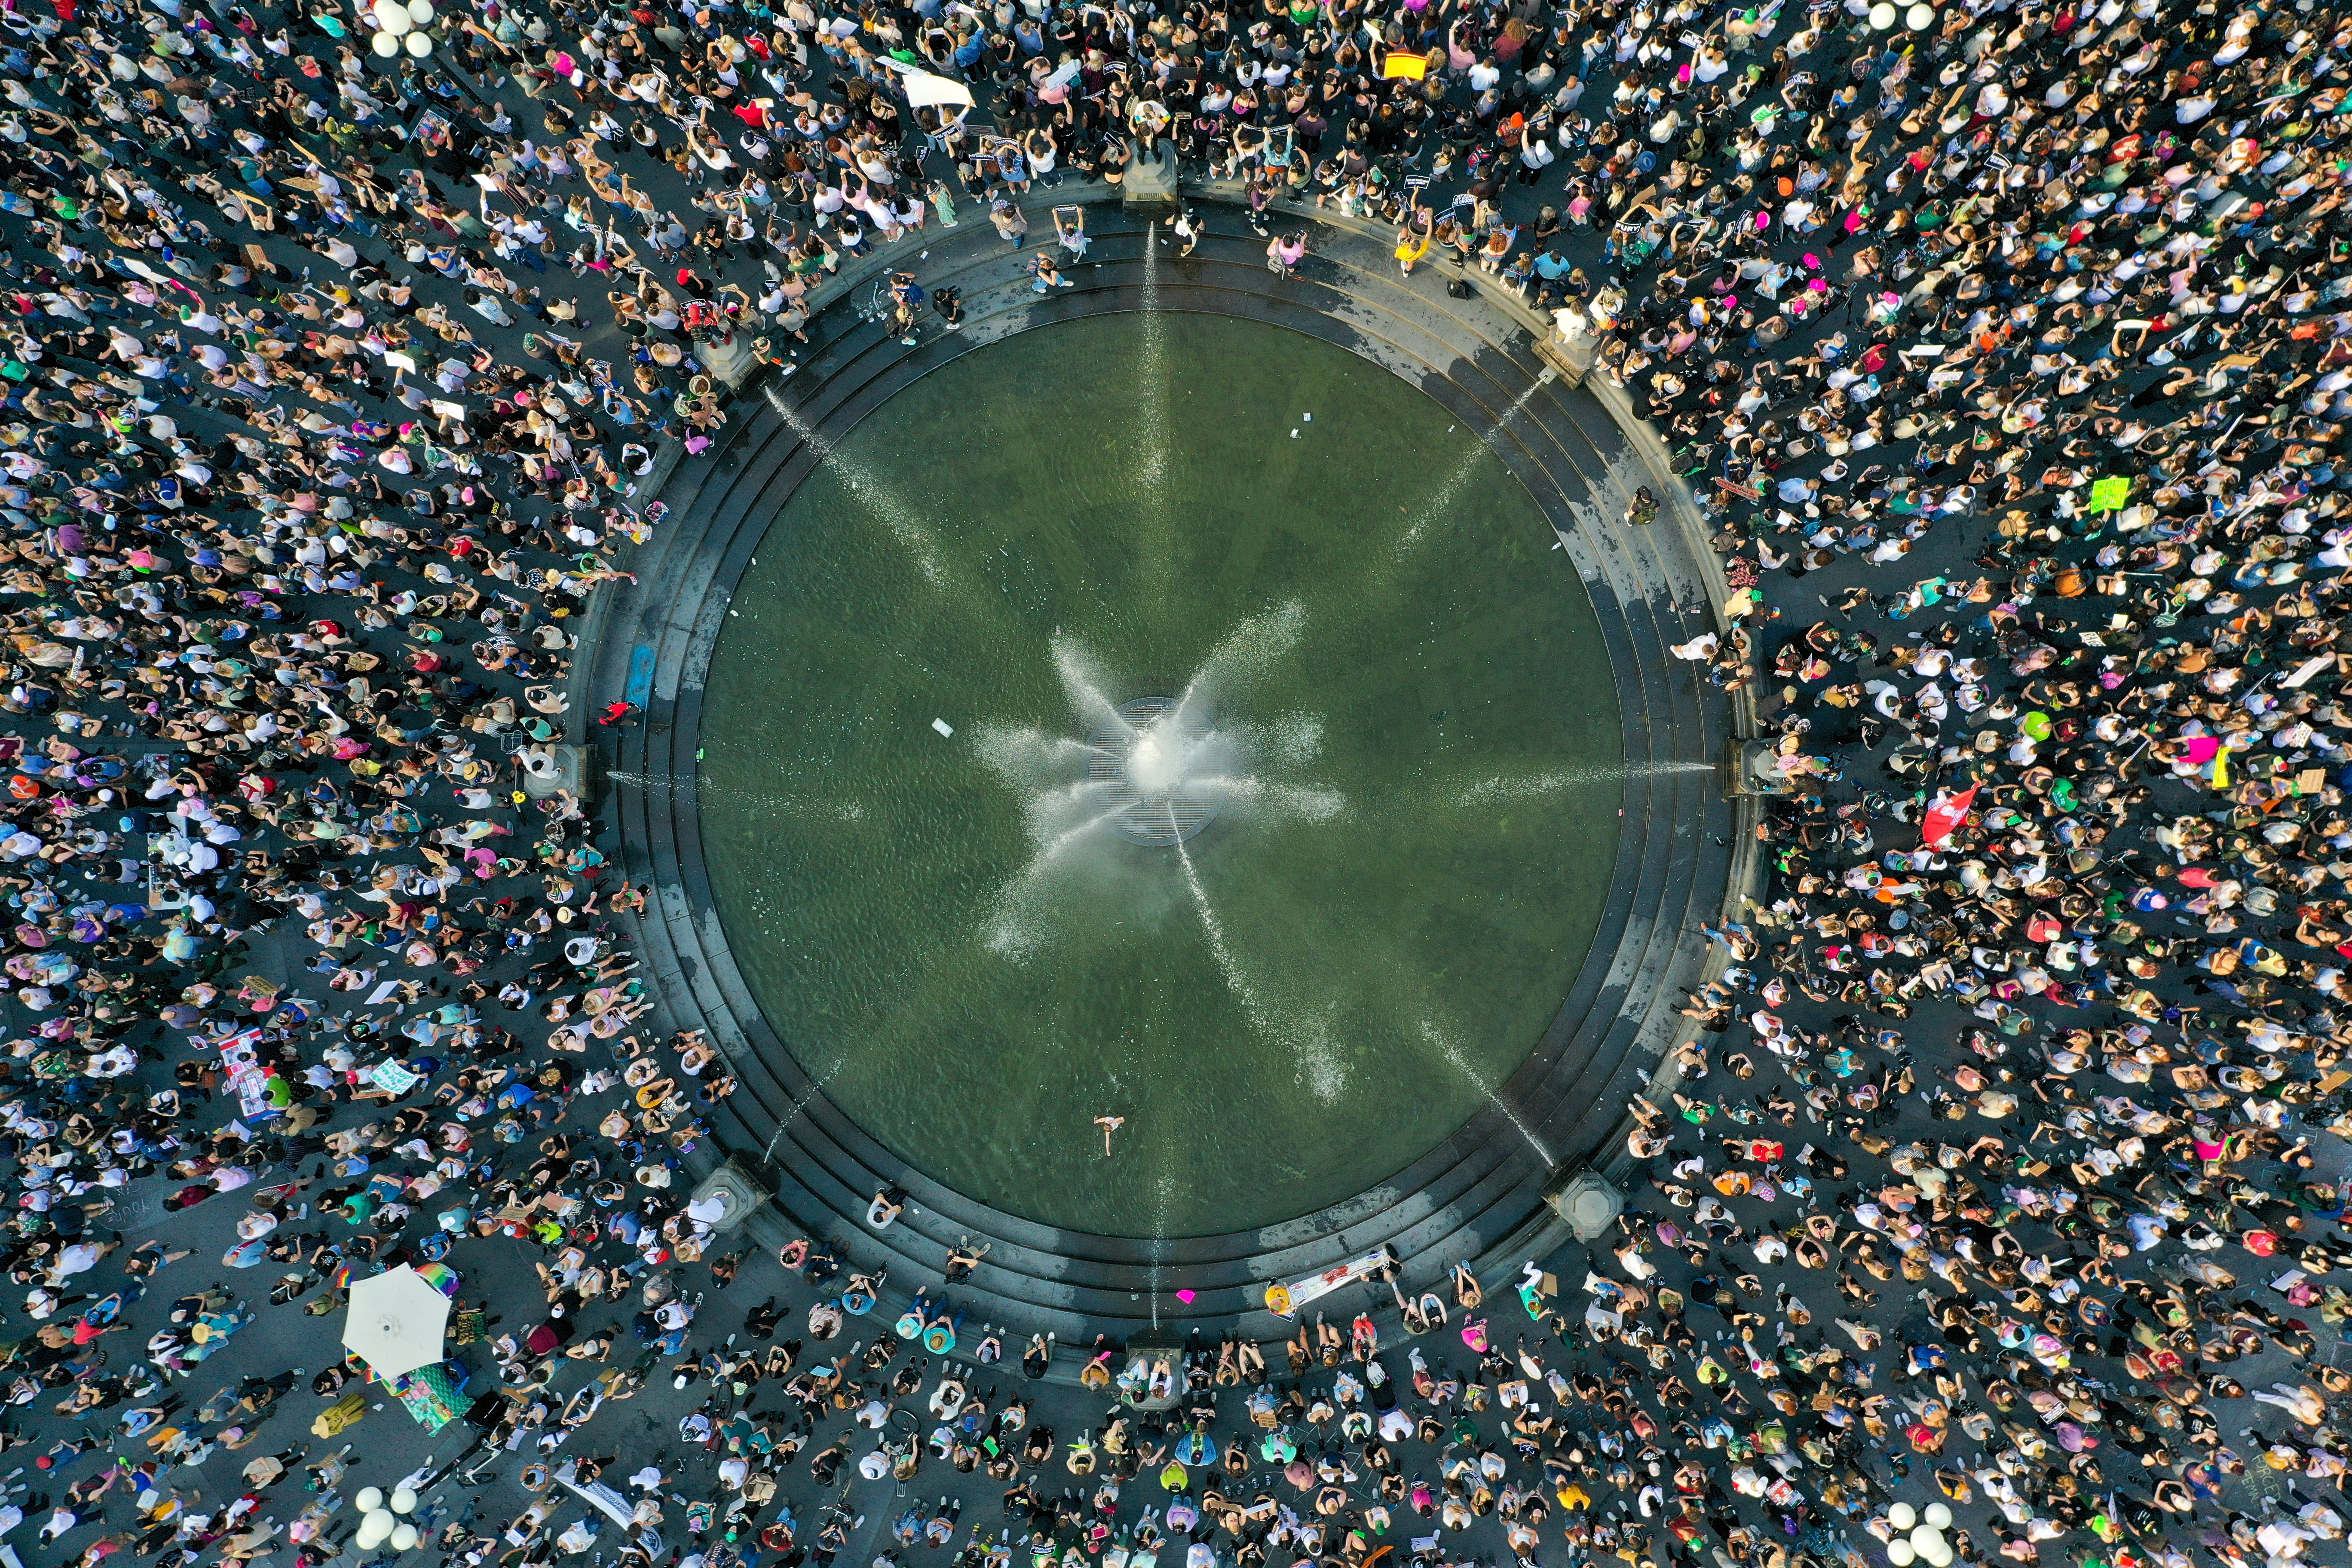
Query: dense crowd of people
x=334 y=372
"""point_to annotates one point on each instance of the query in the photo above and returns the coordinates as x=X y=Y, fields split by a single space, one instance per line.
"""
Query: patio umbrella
x=395 y=1321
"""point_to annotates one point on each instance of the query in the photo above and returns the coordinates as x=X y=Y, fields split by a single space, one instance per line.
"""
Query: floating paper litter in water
x=943 y=727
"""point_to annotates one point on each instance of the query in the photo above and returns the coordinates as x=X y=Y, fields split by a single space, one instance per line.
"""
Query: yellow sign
x=1412 y=68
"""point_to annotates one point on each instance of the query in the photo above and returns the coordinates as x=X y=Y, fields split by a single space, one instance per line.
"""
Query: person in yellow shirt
x=1413 y=244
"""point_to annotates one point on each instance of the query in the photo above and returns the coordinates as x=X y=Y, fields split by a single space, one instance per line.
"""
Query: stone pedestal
x=1148 y=191
x=735 y=1190
x=1588 y=1204
x=1749 y=769
x=729 y=360
x=548 y=768
x=1151 y=1351
x=1572 y=358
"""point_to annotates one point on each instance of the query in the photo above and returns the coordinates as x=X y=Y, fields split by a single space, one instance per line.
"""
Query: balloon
x=1901 y=1516
x=392 y=16
x=403 y=1501
x=1942 y=1559
x=370 y=1500
x=1882 y=16
x=421 y=12
x=403 y=1536
x=1899 y=1553
x=418 y=44
x=375 y=1529
x=1920 y=18
x=1935 y=1513
x=1926 y=1539
x=383 y=44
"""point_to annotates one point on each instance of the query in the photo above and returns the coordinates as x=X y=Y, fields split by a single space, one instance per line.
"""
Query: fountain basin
x=1479 y=1193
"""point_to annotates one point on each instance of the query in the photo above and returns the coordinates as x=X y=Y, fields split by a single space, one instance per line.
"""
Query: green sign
x=2108 y=494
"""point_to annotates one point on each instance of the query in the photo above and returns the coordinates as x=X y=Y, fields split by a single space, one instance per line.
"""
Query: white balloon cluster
x=402 y=26
x=1918 y=18
x=380 y=1520
x=1924 y=1542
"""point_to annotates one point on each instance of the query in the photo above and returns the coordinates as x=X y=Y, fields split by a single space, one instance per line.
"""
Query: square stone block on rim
x=1588 y=1204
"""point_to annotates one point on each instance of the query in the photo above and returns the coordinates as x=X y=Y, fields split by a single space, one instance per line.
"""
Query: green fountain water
x=1278 y=797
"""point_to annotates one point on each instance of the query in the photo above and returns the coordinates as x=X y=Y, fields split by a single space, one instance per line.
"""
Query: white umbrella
x=395 y=1321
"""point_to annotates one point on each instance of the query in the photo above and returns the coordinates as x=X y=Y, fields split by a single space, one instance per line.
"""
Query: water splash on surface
x=888 y=508
x=789 y=804
x=1152 y=446
x=1318 y=1058
x=1163 y=1192
x=1154 y=441
x=799 y=1103
x=1236 y=981
x=1017 y=926
x=1441 y=500
x=1320 y=1067
x=1051 y=847
x=1246 y=652
x=1488 y=791
x=647 y=781
x=1309 y=803
x=1292 y=738
x=1164 y=770
x=1019 y=757
x=1575 y=775
x=1163 y=1199
x=1085 y=687
x=1452 y=1053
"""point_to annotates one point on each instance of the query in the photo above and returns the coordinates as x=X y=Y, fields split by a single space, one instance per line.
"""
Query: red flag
x=1944 y=816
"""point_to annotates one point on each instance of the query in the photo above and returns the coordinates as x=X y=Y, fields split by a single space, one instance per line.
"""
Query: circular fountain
x=1156 y=763
x=924 y=879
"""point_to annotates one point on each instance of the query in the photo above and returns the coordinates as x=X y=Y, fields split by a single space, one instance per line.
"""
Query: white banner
x=923 y=88
x=1284 y=1300
x=603 y=1499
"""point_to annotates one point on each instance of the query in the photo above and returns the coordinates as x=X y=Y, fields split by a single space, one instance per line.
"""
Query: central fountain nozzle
x=1150 y=755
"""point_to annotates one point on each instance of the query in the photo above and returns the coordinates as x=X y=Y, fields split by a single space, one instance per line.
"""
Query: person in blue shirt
x=1552 y=267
